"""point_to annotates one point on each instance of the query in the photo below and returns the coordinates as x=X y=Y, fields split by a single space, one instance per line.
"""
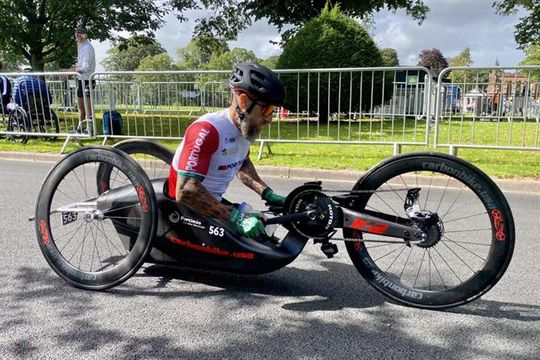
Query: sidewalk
x=513 y=185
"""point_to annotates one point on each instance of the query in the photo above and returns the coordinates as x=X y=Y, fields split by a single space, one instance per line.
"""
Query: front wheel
x=470 y=231
x=95 y=240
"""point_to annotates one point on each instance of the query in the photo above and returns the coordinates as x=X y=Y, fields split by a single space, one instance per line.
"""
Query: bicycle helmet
x=261 y=83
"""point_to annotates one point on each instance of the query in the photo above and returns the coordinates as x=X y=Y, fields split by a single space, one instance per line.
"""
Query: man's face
x=254 y=122
x=79 y=38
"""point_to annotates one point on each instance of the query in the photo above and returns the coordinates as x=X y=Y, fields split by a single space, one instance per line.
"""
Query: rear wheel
x=470 y=235
x=154 y=158
x=92 y=240
x=18 y=123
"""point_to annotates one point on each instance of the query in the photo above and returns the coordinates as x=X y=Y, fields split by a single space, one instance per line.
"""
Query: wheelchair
x=35 y=116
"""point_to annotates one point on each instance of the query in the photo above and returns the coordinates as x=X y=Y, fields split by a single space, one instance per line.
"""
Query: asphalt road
x=316 y=308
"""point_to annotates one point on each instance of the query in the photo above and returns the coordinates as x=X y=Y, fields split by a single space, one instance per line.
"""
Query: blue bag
x=112 y=123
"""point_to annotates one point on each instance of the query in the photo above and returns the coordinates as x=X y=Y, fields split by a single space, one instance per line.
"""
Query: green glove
x=247 y=224
x=272 y=199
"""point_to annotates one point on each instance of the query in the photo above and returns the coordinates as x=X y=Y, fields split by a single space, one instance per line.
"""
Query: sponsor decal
x=142 y=198
x=370 y=226
x=230 y=151
x=44 y=232
x=193 y=159
x=389 y=284
x=230 y=166
x=174 y=217
x=192 y=222
x=498 y=222
x=359 y=245
x=463 y=176
x=212 y=249
x=330 y=217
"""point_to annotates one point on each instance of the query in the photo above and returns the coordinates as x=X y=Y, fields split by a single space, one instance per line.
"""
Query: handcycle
x=427 y=230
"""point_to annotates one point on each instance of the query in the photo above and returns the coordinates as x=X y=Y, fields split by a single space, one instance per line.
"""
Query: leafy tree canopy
x=231 y=16
x=462 y=59
x=331 y=40
x=390 y=57
x=528 y=29
x=42 y=31
x=271 y=62
x=157 y=62
x=532 y=57
x=199 y=51
x=127 y=54
x=433 y=59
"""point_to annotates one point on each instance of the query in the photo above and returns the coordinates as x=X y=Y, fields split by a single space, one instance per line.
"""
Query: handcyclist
x=215 y=148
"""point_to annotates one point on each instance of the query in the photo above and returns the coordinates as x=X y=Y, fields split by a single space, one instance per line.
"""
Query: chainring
x=309 y=197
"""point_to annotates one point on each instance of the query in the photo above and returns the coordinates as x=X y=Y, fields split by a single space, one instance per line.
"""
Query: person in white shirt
x=86 y=65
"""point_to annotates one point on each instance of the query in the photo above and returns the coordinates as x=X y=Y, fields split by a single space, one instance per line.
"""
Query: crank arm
x=380 y=226
x=303 y=216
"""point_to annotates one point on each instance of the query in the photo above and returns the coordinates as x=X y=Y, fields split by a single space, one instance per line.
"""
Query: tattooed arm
x=190 y=192
x=249 y=177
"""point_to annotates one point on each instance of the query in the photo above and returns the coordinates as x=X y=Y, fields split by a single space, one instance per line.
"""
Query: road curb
x=514 y=185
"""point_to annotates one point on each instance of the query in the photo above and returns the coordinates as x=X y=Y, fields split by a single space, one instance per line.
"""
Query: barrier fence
x=40 y=104
x=468 y=107
x=490 y=108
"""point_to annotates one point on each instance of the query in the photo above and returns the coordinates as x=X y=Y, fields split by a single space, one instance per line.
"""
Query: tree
x=12 y=62
x=528 y=29
x=390 y=57
x=199 y=51
x=153 y=89
x=226 y=61
x=532 y=57
x=332 y=40
x=271 y=62
x=434 y=60
x=227 y=22
x=462 y=59
x=127 y=54
x=42 y=31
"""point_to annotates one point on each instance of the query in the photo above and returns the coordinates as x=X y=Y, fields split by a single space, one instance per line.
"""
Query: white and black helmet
x=261 y=83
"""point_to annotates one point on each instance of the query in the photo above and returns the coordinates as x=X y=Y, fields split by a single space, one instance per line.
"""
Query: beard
x=249 y=131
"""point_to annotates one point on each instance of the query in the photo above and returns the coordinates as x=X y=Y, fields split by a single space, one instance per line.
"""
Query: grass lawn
x=500 y=163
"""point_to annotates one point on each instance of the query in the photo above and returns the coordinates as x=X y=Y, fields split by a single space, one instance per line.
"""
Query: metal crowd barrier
x=489 y=108
x=40 y=104
x=386 y=106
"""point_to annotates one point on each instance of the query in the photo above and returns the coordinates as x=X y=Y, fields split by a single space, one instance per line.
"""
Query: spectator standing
x=86 y=65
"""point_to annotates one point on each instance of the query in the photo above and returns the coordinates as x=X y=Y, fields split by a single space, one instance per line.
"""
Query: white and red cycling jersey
x=213 y=149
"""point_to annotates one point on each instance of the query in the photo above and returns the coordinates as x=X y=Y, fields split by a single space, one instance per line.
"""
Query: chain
x=378 y=241
x=362 y=191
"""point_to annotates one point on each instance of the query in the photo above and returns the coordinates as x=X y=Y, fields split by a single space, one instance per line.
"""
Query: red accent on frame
x=370 y=226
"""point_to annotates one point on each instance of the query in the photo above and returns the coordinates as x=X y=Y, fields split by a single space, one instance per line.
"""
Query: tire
x=18 y=122
x=112 y=247
x=154 y=158
x=469 y=249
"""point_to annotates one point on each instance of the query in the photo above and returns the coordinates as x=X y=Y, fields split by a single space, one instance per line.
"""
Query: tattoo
x=190 y=192
x=249 y=177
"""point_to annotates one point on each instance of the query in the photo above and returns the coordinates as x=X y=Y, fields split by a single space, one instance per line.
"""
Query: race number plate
x=68 y=217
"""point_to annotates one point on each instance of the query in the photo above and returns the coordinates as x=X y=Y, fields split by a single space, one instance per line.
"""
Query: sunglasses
x=266 y=110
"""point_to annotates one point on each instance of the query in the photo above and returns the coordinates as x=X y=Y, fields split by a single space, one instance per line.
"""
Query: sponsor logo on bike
x=212 y=249
x=193 y=159
x=191 y=222
x=174 y=217
x=463 y=176
x=142 y=198
x=44 y=232
x=370 y=226
x=498 y=222
x=230 y=166
x=391 y=285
